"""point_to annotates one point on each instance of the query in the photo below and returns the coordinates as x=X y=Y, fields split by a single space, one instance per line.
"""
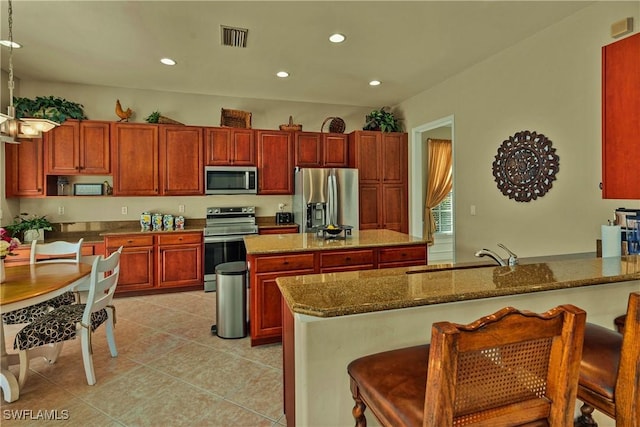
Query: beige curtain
x=439 y=180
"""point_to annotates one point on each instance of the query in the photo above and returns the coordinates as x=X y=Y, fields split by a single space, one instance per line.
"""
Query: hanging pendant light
x=10 y=126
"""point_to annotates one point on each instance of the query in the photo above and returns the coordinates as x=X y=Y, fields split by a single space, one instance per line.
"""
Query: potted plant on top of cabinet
x=382 y=120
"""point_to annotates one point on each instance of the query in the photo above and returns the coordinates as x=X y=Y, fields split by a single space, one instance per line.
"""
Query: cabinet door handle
x=129 y=241
x=347 y=258
x=285 y=262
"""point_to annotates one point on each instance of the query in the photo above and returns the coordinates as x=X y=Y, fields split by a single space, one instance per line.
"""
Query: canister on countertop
x=145 y=221
x=167 y=221
x=179 y=222
x=156 y=221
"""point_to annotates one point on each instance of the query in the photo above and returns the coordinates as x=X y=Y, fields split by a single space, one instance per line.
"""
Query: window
x=443 y=215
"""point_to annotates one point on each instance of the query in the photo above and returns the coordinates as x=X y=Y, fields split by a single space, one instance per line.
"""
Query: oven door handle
x=223 y=239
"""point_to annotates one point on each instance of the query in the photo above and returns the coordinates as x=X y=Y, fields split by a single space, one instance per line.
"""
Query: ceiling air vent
x=234 y=37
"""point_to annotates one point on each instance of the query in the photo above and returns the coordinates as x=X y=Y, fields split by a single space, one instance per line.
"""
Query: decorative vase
x=2 y=278
x=30 y=235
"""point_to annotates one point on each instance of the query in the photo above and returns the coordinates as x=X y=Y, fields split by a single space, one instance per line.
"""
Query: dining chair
x=67 y=322
x=59 y=251
x=610 y=371
x=509 y=368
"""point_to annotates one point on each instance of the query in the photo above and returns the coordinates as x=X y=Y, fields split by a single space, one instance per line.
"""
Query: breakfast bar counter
x=331 y=319
x=281 y=255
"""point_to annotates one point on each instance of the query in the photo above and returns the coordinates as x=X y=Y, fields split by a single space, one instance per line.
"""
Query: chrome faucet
x=513 y=258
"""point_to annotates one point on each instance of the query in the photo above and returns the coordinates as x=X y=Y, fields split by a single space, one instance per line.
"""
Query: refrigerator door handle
x=332 y=199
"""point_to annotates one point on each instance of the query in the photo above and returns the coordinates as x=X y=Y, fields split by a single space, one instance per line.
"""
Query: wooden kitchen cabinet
x=136 y=262
x=155 y=262
x=281 y=229
x=360 y=259
x=229 y=147
x=77 y=148
x=135 y=152
x=382 y=161
x=181 y=161
x=621 y=119
x=265 y=298
x=275 y=162
x=179 y=259
x=314 y=149
x=24 y=168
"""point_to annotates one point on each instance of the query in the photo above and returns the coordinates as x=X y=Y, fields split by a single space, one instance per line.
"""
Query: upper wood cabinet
x=621 y=119
x=24 y=168
x=314 y=149
x=135 y=152
x=78 y=147
x=382 y=162
x=181 y=161
x=275 y=162
x=229 y=147
x=151 y=160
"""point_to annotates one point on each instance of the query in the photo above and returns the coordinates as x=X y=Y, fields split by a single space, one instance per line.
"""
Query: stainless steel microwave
x=231 y=179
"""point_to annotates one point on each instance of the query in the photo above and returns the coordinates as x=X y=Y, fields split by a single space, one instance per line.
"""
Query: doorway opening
x=443 y=249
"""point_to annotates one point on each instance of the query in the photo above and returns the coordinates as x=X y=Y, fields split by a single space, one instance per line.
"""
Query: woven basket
x=235 y=118
x=335 y=126
x=167 y=121
x=290 y=126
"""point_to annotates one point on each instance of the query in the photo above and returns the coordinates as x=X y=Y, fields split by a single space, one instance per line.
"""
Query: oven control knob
x=216 y=210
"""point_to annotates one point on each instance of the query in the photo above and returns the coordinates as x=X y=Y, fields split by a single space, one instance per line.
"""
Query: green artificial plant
x=25 y=222
x=382 y=120
x=153 y=117
x=48 y=107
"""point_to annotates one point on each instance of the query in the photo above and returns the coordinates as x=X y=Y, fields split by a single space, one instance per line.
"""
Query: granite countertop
x=341 y=294
x=305 y=242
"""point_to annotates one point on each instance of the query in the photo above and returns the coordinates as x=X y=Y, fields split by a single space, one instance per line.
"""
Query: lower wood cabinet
x=159 y=261
x=281 y=229
x=264 y=269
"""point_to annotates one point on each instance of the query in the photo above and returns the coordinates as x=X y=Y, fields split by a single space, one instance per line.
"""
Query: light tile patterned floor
x=170 y=370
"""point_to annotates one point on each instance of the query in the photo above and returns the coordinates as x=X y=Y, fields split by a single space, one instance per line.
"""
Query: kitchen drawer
x=179 y=239
x=346 y=258
x=406 y=253
x=126 y=241
x=284 y=262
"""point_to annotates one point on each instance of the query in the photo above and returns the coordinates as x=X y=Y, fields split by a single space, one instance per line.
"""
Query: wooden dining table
x=26 y=285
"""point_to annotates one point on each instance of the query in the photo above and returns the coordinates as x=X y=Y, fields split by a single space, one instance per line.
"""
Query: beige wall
x=550 y=83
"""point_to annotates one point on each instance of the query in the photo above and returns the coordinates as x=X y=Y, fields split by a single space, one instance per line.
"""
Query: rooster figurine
x=123 y=114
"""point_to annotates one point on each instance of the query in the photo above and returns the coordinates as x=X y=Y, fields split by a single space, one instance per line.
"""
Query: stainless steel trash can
x=231 y=300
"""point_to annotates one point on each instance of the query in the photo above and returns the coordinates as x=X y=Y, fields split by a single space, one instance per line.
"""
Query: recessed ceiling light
x=282 y=74
x=168 y=61
x=8 y=43
x=374 y=83
x=336 y=38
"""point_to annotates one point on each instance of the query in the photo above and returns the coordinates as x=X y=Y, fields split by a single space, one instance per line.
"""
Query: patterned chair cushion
x=33 y=312
x=56 y=326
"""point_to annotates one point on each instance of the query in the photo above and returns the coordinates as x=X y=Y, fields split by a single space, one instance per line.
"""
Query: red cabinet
x=275 y=162
x=314 y=149
x=78 y=147
x=229 y=147
x=135 y=152
x=382 y=161
x=181 y=161
x=621 y=119
x=24 y=168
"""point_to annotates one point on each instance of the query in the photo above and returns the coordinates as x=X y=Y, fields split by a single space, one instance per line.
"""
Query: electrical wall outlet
x=124 y=210
x=60 y=210
x=181 y=208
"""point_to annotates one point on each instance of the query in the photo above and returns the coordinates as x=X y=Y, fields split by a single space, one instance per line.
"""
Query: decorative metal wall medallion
x=526 y=166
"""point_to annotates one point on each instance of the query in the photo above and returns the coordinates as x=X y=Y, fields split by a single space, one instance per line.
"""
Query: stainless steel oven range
x=223 y=233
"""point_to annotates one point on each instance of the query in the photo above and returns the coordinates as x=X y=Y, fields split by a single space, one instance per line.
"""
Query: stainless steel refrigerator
x=325 y=196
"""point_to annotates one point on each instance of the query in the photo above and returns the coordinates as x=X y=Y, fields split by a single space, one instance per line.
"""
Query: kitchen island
x=273 y=256
x=331 y=319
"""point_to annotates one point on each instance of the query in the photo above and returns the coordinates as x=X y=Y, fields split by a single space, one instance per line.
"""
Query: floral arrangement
x=7 y=243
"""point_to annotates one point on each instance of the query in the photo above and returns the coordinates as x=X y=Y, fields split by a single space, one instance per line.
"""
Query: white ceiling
x=409 y=46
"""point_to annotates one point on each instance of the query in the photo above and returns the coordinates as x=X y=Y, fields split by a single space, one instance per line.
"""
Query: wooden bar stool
x=610 y=371
x=510 y=368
